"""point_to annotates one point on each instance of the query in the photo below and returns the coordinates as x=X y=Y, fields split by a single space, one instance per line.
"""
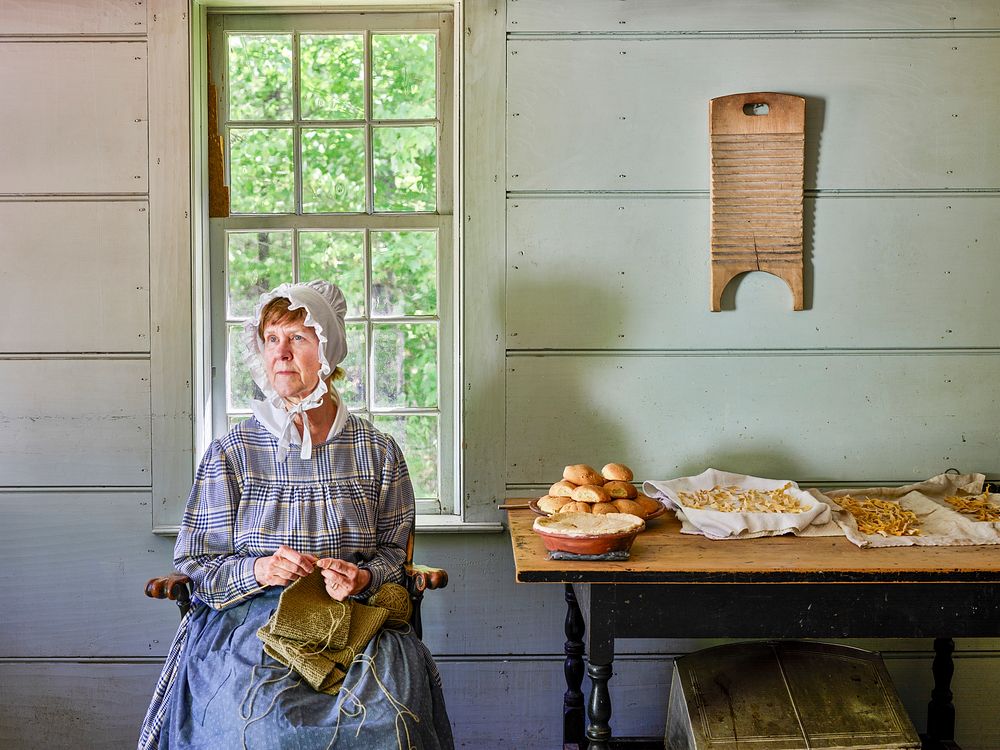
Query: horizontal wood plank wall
x=80 y=123
x=629 y=114
x=72 y=17
x=612 y=353
x=79 y=644
x=811 y=417
x=628 y=272
x=57 y=274
x=724 y=16
x=74 y=422
x=84 y=599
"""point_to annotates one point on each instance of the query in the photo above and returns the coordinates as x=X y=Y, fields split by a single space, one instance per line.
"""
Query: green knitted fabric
x=304 y=647
x=307 y=614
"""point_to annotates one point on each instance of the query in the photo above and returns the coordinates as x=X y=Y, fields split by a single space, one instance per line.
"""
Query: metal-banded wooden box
x=785 y=695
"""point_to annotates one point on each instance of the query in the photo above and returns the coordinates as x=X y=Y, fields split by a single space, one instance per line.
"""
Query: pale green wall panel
x=631 y=16
x=74 y=422
x=815 y=418
x=629 y=114
x=622 y=272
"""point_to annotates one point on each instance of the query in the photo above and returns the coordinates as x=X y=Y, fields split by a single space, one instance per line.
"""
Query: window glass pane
x=333 y=170
x=403 y=74
x=256 y=263
x=405 y=364
x=260 y=76
x=405 y=168
x=417 y=437
x=240 y=387
x=404 y=273
x=337 y=257
x=235 y=419
x=352 y=388
x=332 y=77
x=261 y=173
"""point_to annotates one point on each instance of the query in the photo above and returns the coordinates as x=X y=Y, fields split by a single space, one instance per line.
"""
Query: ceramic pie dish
x=587 y=534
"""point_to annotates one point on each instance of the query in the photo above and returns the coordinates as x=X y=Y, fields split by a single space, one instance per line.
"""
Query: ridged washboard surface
x=757 y=174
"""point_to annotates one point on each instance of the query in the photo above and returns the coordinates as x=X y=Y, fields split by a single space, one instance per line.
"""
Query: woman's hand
x=283 y=567
x=342 y=578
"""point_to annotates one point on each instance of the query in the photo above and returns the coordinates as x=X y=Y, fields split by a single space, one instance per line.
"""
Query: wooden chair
x=416 y=578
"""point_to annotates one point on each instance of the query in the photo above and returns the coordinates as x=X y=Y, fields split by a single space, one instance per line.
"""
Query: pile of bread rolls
x=583 y=489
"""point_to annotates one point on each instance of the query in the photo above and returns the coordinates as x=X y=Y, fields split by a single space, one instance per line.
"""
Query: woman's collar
x=279 y=422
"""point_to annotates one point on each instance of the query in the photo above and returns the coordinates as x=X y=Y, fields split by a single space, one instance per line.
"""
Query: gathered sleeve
x=395 y=514
x=205 y=549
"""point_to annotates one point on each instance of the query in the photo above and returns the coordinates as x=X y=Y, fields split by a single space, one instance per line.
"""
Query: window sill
x=452 y=524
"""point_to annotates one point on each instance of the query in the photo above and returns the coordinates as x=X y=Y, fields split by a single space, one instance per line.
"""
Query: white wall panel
x=80 y=121
x=84 y=596
x=72 y=17
x=625 y=16
x=68 y=705
x=627 y=114
x=79 y=271
x=72 y=422
x=865 y=416
x=633 y=273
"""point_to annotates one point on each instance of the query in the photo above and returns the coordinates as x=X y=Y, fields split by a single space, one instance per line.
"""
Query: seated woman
x=301 y=485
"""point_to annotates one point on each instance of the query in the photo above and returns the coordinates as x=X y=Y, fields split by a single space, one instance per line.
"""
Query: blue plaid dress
x=351 y=500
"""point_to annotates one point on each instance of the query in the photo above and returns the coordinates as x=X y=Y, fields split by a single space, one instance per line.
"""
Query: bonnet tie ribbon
x=284 y=442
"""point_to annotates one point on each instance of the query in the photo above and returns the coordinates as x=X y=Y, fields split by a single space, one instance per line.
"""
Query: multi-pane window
x=337 y=131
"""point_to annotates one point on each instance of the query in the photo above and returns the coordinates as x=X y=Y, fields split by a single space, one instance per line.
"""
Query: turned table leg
x=599 y=707
x=573 y=669
x=940 y=710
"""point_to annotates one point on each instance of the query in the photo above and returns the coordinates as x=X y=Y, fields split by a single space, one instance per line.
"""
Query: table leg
x=599 y=707
x=941 y=711
x=573 y=669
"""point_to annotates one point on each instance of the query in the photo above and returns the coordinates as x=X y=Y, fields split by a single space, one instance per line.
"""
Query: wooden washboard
x=757 y=175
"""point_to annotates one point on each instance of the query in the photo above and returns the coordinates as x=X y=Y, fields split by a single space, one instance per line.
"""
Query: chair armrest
x=174 y=586
x=422 y=578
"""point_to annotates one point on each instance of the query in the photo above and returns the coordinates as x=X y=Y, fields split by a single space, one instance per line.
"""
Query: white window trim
x=479 y=237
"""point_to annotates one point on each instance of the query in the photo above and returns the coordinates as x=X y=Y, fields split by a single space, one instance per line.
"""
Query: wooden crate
x=785 y=695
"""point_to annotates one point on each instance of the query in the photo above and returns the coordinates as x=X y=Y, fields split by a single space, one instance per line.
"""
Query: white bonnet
x=325 y=308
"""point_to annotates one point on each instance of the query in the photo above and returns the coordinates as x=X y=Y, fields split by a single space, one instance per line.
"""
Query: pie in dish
x=588 y=524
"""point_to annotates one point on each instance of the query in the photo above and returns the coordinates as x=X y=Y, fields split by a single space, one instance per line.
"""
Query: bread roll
x=572 y=507
x=589 y=493
x=603 y=508
x=629 y=506
x=649 y=505
x=562 y=488
x=582 y=474
x=617 y=472
x=617 y=488
x=551 y=504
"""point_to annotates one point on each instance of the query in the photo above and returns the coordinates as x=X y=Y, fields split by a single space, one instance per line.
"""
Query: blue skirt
x=228 y=694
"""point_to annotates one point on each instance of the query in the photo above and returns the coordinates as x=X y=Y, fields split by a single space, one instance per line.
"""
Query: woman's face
x=291 y=357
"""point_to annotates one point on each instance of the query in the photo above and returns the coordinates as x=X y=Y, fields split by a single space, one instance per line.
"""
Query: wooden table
x=683 y=586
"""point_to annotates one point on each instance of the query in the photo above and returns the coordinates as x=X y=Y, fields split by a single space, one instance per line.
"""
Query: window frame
x=223 y=24
x=479 y=52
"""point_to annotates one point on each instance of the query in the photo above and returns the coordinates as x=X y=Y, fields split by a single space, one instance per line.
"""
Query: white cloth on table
x=813 y=521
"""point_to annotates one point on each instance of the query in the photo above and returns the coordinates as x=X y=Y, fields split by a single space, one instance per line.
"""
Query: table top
x=661 y=554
